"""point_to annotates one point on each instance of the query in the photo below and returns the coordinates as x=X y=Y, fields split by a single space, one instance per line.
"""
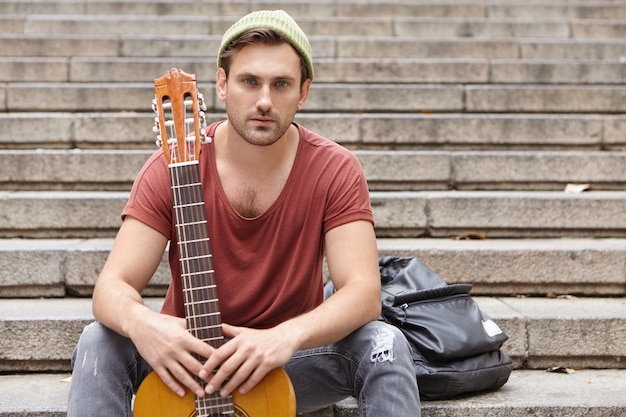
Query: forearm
x=348 y=309
x=352 y=258
x=134 y=257
x=118 y=306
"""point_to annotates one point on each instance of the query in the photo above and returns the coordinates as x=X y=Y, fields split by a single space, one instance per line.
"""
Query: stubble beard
x=258 y=135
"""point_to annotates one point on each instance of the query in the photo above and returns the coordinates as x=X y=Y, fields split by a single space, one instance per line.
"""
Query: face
x=262 y=92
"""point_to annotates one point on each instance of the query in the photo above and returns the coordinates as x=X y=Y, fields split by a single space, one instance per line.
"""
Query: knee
x=388 y=344
x=94 y=334
x=381 y=342
x=96 y=341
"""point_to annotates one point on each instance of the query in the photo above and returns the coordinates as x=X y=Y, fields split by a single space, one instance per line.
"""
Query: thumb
x=231 y=331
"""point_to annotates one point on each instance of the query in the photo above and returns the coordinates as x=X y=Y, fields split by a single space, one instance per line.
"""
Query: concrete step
x=494 y=214
x=403 y=170
x=63 y=266
x=548 y=9
x=381 y=47
x=537 y=393
x=502 y=170
x=590 y=393
x=205 y=25
x=327 y=70
x=498 y=214
x=557 y=71
x=114 y=24
x=337 y=97
x=40 y=334
x=418 y=27
x=61 y=214
x=545 y=99
x=537 y=267
x=115 y=7
x=506 y=48
x=495 y=27
x=128 y=130
x=475 y=131
x=241 y=7
x=105 y=97
x=459 y=8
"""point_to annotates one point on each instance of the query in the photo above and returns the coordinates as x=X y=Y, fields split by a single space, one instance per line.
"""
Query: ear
x=221 y=84
x=304 y=93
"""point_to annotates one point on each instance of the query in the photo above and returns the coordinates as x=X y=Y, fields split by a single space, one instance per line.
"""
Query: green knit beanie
x=278 y=20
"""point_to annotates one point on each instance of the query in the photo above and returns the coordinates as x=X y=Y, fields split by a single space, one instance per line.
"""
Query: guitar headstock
x=179 y=121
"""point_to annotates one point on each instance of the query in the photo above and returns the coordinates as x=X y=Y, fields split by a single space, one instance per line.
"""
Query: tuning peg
x=159 y=142
x=156 y=128
x=154 y=104
x=201 y=102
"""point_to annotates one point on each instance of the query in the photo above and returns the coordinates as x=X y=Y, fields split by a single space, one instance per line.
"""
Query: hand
x=164 y=342
x=244 y=360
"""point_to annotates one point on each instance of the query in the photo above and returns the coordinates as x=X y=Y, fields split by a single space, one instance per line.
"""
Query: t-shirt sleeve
x=348 y=196
x=150 y=198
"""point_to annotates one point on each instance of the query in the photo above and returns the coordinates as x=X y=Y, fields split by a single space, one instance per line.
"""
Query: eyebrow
x=275 y=78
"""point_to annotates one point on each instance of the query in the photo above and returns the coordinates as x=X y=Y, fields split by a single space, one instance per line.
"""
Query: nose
x=264 y=100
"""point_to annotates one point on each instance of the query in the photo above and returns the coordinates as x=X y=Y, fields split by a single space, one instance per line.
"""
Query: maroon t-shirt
x=269 y=268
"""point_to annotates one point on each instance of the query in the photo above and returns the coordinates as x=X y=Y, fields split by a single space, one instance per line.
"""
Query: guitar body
x=272 y=397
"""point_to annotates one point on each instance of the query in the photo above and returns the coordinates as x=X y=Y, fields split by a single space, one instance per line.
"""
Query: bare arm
x=352 y=258
x=134 y=258
x=162 y=341
x=353 y=263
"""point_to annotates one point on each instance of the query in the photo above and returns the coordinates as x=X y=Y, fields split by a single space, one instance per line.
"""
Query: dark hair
x=266 y=36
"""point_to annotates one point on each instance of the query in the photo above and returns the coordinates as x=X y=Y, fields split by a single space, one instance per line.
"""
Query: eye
x=282 y=84
x=249 y=81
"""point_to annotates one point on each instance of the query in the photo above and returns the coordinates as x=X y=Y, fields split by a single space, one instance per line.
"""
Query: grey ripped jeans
x=372 y=364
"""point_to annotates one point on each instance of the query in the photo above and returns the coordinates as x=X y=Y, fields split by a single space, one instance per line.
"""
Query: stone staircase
x=470 y=117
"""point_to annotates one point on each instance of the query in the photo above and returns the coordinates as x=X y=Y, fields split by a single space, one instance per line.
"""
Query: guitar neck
x=196 y=261
x=196 y=265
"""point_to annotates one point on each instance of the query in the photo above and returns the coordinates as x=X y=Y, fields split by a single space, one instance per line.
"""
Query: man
x=278 y=198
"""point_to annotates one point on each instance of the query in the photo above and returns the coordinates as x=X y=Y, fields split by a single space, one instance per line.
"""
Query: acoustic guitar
x=179 y=125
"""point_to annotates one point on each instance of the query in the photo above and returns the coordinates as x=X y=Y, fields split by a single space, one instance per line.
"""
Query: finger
x=244 y=369
x=184 y=377
x=230 y=368
x=245 y=378
x=255 y=378
x=179 y=372
x=191 y=362
x=215 y=358
x=177 y=384
x=202 y=350
x=231 y=331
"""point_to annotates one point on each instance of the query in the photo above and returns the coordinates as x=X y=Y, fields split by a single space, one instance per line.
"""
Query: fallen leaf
x=577 y=188
x=560 y=370
x=471 y=236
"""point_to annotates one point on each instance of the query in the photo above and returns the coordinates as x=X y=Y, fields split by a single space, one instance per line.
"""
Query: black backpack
x=456 y=346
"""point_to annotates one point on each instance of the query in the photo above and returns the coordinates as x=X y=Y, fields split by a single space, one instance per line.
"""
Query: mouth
x=262 y=119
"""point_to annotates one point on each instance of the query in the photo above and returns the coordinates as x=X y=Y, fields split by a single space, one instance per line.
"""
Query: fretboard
x=196 y=264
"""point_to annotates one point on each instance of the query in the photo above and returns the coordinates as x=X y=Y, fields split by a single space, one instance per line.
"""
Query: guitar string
x=224 y=404
x=194 y=314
